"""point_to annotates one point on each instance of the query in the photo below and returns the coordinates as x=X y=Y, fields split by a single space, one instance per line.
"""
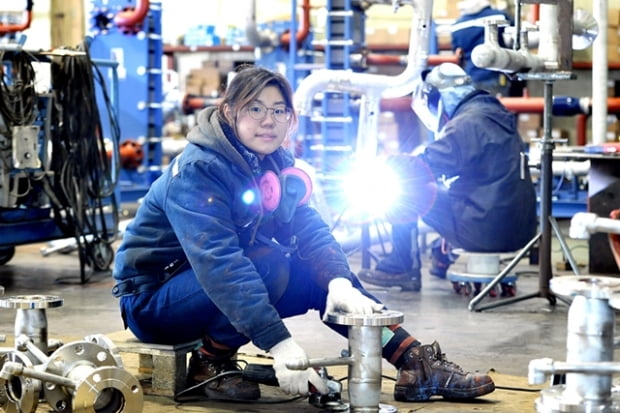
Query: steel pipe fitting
x=589 y=362
x=363 y=358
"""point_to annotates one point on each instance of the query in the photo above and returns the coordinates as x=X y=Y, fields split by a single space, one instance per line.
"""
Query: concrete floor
x=502 y=340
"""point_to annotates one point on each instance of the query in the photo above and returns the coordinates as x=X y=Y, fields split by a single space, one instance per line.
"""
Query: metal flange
x=589 y=286
x=31 y=302
x=384 y=318
x=20 y=394
x=108 y=389
x=75 y=361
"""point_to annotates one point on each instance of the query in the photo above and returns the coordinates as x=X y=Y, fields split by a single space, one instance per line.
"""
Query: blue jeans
x=180 y=311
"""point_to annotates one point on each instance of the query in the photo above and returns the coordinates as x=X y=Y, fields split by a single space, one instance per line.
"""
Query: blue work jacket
x=199 y=211
x=491 y=196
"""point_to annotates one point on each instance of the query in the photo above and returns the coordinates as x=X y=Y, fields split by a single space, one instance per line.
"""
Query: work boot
x=426 y=373
x=408 y=281
x=440 y=261
x=202 y=369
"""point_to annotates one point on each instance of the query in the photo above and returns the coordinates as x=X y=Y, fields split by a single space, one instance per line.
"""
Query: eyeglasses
x=258 y=111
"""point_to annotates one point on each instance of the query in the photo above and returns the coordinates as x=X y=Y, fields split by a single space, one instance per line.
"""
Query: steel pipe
x=363 y=357
x=589 y=349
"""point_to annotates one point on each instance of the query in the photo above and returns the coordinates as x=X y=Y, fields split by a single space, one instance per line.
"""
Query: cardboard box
x=528 y=125
x=613 y=17
x=613 y=35
x=613 y=53
x=204 y=82
x=377 y=35
x=529 y=120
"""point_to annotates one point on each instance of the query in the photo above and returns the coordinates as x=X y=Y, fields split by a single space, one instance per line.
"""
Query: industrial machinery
x=84 y=376
x=590 y=340
x=589 y=364
x=57 y=168
x=129 y=33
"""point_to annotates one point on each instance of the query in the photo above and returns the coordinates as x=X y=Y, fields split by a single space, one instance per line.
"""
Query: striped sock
x=396 y=340
x=214 y=350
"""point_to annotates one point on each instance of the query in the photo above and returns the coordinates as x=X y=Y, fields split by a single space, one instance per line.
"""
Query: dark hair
x=247 y=84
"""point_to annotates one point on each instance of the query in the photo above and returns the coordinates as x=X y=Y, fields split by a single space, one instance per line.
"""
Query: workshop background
x=137 y=71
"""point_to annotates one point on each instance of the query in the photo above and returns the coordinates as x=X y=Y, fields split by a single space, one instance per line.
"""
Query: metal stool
x=472 y=269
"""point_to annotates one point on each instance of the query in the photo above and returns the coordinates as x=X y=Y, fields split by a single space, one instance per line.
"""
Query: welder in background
x=485 y=199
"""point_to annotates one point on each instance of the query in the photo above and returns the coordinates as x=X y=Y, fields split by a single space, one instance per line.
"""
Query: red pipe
x=524 y=105
x=302 y=31
x=534 y=15
x=514 y=104
x=581 y=124
x=132 y=16
x=537 y=104
x=378 y=59
x=517 y=105
x=588 y=65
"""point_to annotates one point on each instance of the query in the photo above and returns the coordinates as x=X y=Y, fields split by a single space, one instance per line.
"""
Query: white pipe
x=550 y=32
x=599 y=74
x=490 y=55
x=372 y=87
x=583 y=224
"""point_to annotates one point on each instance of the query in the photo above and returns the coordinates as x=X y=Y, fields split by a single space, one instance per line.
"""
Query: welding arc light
x=372 y=188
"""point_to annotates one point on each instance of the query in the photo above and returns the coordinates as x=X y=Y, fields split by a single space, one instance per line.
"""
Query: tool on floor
x=589 y=364
x=79 y=377
x=332 y=401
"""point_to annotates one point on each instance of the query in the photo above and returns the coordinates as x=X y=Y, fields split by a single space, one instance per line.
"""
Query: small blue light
x=248 y=197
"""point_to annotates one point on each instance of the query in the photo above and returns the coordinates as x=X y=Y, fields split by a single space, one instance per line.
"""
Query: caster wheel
x=461 y=288
x=509 y=290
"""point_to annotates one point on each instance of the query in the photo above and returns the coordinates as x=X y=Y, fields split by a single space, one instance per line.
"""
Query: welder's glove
x=294 y=381
x=343 y=297
x=418 y=188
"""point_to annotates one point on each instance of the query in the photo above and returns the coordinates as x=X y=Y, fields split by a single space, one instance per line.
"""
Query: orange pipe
x=588 y=65
x=524 y=105
x=581 y=125
x=537 y=104
x=302 y=31
x=378 y=59
x=396 y=104
x=133 y=16
x=534 y=15
x=14 y=28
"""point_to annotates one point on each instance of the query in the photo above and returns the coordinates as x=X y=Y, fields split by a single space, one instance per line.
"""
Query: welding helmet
x=438 y=92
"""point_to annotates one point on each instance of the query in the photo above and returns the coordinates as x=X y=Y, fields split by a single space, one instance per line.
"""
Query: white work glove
x=294 y=381
x=343 y=297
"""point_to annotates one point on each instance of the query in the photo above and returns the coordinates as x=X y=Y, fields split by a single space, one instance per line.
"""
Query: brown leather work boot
x=226 y=387
x=427 y=373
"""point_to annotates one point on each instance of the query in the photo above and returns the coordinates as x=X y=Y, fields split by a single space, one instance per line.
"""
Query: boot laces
x=440 y=359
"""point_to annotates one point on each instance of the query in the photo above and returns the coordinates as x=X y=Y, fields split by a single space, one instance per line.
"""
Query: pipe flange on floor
x=20 y=393
x=553 y=400
x=589 y=286
x=31 y=302
x=108 y=389
x=384 y=318
x=76 y=361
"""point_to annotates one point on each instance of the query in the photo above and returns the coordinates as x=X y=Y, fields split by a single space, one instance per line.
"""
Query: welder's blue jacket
x=200 y=212
x=492 y=204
